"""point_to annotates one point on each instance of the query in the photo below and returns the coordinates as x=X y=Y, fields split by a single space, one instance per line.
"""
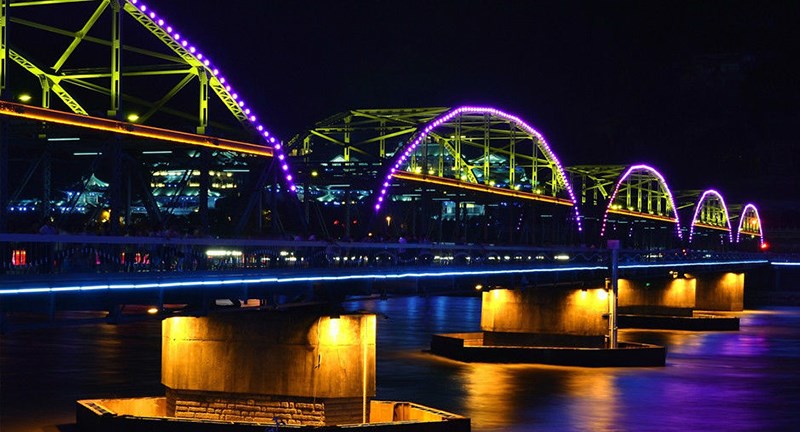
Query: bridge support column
x=720 y=292
x=681 y=295
x=301 y=368
x=674 y=297
x=546 y=316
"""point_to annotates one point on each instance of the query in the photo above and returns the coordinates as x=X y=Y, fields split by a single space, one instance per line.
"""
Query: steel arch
x=639 y=179
x=711 y=212
x=476 y=161
x=181 y=58
x=750 y=224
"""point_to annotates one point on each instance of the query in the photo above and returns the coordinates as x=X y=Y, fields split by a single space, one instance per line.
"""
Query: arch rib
x=742 y=219
x=217 y=82
x=711 y=193
x=663 y=184
x=422 y=134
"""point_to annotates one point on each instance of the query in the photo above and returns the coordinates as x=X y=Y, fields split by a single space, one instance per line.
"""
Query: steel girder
x=84 y=86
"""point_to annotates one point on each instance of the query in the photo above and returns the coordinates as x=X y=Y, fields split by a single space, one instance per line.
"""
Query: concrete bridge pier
x=300 y=369
x=295 y=367
x=550 y=316
x=682 y=294
x=563 y=325
x=682 y=301
x=720 y=292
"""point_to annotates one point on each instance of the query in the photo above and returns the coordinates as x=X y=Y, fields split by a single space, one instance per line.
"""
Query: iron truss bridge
x=69 y=271
x=116 y=122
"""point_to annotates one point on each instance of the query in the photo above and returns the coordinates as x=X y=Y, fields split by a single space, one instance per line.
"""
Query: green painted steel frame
x=469 y=148
x=178 y=61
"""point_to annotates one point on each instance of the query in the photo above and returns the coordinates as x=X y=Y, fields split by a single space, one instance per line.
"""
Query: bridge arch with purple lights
x=641 y=199
x=522 y=181
x=750 y=224
x=468 y=156
x=711 y=212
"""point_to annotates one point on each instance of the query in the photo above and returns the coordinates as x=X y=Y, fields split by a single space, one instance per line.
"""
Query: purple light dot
x=241 y=103
x=176 y=36
x=266 y=134
x=293 y=188
x=380 y=199
x=289 y=177
x=393 y=170
x=252 y=118
x=169 y=29
x=383 y=191
x=386 y=184
x=199 y=56
x=247 y=111
x=206 y=62
x=235 y=96
x=260 y=128
x=134 y=1
x=161 y=22
x=215 y=71
x=143 y=8
x=281 y=156
x=152 y=14
x=277 y=146
x=184 y=42
x=272 y=139
x=192 y=49
x=285 y=167
x=377 y=206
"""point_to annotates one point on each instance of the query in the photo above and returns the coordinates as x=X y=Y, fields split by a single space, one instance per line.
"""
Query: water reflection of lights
x=492 y=393
x=595 y=399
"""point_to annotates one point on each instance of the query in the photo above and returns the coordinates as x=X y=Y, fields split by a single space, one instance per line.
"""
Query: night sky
x=706 y=91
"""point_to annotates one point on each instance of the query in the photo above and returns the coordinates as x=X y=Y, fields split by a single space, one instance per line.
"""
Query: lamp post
x=612 y=297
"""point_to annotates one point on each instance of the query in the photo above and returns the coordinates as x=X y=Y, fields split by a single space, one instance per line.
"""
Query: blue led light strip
x=279 y=280
x=690 y=264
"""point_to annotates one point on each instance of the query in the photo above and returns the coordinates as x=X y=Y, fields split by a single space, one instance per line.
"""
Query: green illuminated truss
x=108 y=85
x=471 y=148
x=640 y=194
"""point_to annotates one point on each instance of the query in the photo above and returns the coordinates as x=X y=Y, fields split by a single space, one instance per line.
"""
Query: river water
x=733 y=381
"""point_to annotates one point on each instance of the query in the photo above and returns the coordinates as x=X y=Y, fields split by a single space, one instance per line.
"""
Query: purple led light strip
x=663 y=183
x=741 y=222
x=699 y=205
x=425 y=131
x=251 y=117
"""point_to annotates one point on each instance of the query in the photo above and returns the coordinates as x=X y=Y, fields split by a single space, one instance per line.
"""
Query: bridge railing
x=35 y=254
x=32 y=254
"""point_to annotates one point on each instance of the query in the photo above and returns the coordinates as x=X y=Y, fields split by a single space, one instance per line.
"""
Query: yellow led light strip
x=643 y=215
x=405 y=175
x=120 y=127
x=702 y=225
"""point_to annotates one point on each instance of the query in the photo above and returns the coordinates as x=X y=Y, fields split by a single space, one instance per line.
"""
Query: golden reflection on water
x=594 y=399
x=497 y=393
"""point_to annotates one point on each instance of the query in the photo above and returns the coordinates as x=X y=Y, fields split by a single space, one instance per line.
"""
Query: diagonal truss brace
x=214 y=82
x=53 y=80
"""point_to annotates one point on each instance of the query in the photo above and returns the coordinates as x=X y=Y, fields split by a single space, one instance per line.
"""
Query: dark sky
x=706 y=91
